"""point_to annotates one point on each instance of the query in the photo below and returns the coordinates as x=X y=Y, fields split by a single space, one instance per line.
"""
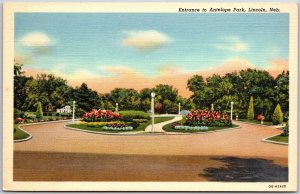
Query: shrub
x=39 y=111
x=260 y=118
x=129 y=115
x=286 y=129
x=277 y=116
x=250 y=113
x=158 y=107
x=134 y=125
x=18 y=113
x=18 y=120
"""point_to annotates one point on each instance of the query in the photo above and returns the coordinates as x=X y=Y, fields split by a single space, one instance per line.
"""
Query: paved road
x=56 y=153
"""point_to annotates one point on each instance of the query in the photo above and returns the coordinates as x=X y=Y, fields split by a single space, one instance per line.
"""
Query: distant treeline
x=54 y=92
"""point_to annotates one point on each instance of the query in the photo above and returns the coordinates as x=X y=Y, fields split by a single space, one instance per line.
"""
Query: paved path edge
x=274 y=142
x=40 y=123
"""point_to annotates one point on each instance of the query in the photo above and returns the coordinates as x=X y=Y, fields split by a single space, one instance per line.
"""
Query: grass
x=169 y=128
x=19 y=134
x=280 y=138
x=256 y=122
x=141 y=127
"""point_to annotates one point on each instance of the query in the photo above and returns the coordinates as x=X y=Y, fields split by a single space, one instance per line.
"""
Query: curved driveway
x=245 y=141
x=59 y=154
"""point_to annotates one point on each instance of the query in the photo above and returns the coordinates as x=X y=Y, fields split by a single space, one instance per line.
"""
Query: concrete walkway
x=158 y=128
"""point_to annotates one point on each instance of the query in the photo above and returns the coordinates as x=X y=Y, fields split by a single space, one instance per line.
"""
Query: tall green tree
x=39 y=110
x=277 y=116
x=281 y=90
x=86 y=98
x=20 y=92
x=250 y=113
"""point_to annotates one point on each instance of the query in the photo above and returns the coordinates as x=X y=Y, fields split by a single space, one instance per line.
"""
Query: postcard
x=150 y=96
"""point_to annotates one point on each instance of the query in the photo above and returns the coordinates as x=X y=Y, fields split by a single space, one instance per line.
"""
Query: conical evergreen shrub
x=277 y=116
x=250 y=113
x=39 y=111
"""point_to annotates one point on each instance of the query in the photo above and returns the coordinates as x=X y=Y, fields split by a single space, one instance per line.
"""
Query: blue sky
x=146 y=43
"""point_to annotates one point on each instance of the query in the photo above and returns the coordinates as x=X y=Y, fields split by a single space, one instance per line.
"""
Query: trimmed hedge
x=129 y=115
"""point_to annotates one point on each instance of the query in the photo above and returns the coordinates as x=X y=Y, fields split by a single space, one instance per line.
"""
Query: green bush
x=129 y=115
x=286 y=129
x=134 y=125
x=277 y=116
x=39 y=111
x=250 y=113
x=18 y=113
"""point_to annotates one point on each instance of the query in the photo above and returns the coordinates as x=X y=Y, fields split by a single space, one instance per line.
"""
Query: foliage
x=250 y=113
x=277 y=116
x=53 y=92
x=286 y=130
x=39 y=111
x=207 y=118
x=18 y=120
x=100 y=116
x=18 y=113
x=158 y=107
x=133 y=114
x=260 y=118
x=86 y=99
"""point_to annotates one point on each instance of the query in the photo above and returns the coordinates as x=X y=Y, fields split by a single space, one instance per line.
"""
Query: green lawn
x=19 y=134
x=141 y=127
x=280 y=138
x=256 y=122
x=169 y=128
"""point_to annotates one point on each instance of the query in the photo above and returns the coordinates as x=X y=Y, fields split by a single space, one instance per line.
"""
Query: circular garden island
x=116 y=122
x=107 y=121
x=201 y=121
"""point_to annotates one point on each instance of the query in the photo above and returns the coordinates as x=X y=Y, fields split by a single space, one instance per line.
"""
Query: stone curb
x=25 y=139
x=29 y=124
x=147 y=133
x=274 y=142
x=187 y=133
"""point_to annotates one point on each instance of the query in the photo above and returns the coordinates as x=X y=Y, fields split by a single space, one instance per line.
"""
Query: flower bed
x=207 y=118
x=195 y=128
x=100 y=115
x=118 y=127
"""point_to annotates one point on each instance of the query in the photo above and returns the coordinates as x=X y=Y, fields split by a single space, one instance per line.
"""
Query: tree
x=53 y=92
x=196 y=83
x=169 y=106
x=250 y=113
x=165 y=92
x=20 y=92
x=277 y=116
x=158 y=107
x=281 y=90
x=86 y=98
x=128 y=99
x=39 y=111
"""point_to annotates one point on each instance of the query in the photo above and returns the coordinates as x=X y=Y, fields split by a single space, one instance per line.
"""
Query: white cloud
x=145 y=39
x=233 y=44
x=36 y=39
